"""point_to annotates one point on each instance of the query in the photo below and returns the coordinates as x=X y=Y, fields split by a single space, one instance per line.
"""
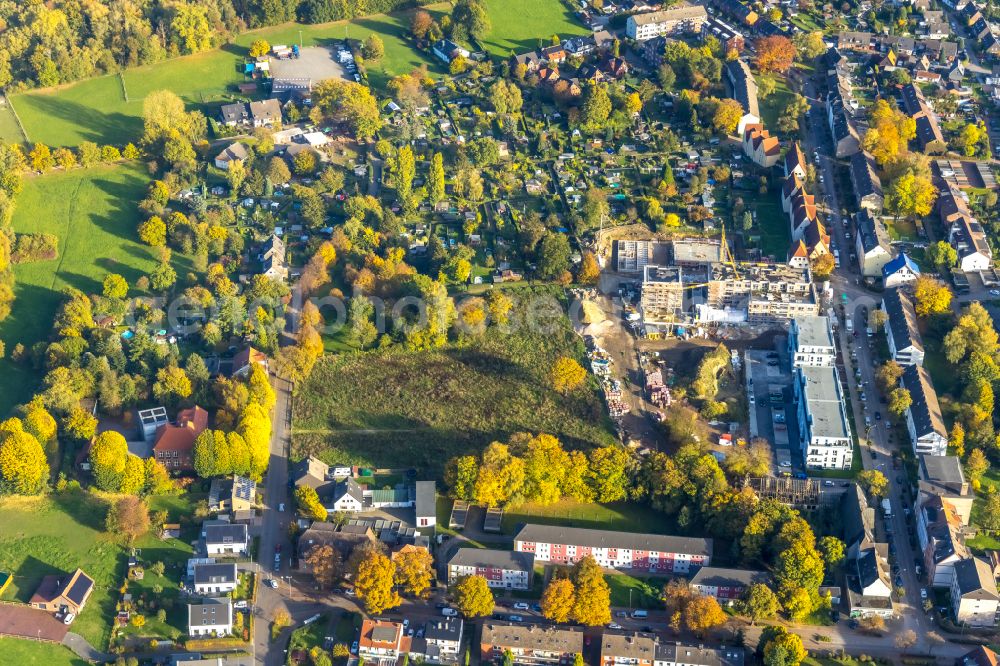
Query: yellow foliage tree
x=414 y=570
x=567 y=374
x=473 y=596
x=931 y=296
x=558 y=600
x=374 y=583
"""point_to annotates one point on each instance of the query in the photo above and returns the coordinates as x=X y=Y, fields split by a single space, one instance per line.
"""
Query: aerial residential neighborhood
x=576 y=332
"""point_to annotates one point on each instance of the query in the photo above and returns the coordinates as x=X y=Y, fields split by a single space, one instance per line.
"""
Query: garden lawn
x=771 y=225
x=93 y=213
x=618 y=516
x=32 y=653
x=522 y=25
x=630 y=592
x=772 y=106
x=400 y=408
x=40 y=536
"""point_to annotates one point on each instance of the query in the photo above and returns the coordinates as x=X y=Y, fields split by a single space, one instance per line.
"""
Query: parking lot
x=772 y=413
x=314 y=62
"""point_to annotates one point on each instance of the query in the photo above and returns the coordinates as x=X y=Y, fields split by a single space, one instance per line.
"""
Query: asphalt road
x=274 y=530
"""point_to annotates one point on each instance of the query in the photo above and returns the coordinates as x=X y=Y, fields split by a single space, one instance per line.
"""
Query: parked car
x=515 y=618
x=69 y=618
x=614 y=625
x=520 y=605
x=273 y=584
x=449 y=612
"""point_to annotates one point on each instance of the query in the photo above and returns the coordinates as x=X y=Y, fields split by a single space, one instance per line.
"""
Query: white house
x=225 y=539
x=502 y=569
x=215 y=579
x=235 y=152
x=872 y=244
x=425 y=504
x=905 y=344
x=928 y=434
x=899 y=271
x=974 y=597
x=348 y=496
x=210 y=617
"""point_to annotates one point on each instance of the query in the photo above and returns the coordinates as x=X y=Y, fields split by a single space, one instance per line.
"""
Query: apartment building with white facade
x=810 y=342
x=823 y=426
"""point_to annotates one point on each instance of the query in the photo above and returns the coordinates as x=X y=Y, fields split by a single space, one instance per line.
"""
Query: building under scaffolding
x=801 y=494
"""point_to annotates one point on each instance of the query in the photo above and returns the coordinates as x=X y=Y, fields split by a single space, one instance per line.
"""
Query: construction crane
x=727 y=255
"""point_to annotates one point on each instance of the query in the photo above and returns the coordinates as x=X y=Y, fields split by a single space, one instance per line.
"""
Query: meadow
x=521 y=25
x=108 y=109
x=400 y=408
x=56 y=534
x=93 y=213
x=31 y=653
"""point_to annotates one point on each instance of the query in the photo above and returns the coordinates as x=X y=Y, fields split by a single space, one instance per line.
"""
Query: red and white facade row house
x=502 y=569
x=615 y=550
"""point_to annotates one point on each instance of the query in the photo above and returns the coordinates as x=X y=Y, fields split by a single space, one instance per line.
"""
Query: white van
x=640 y=615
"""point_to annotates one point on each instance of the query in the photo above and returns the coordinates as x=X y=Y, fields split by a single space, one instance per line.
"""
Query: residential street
x=274 y=529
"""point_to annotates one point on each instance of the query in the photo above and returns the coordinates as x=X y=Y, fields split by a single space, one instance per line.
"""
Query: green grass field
x=772 y=225
x=400 y=408
x=635 y=592
x=40 y=536
x=521 y=25
x=619 y=516
x=93 y=212
x=97 y=110
x=8 y=125
x=32 y=653
x=772 y=106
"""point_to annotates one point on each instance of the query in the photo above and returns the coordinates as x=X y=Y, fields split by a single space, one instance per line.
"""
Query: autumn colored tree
x=758 y=603
x=889 y=131
x=414 y=571
x=374 y=581
x=24 y=469
x=108 y=456
x=259 y=47
x=592 y=605
x=589 y=270
x=973 y=336
x=473 y=596
x=567 y=374
x=976 y=465
x=775 y=54
x=128 y=517
x=325 y=564
x=873 y=482
x=782 y=648
x=703 y=613
x=931 y=297
x=558 y=600
x=727 y=116
x=899 y=401
x=309 y=503
x=911 y=195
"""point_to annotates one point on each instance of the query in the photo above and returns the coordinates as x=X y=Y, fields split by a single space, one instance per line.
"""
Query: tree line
x=46 y=44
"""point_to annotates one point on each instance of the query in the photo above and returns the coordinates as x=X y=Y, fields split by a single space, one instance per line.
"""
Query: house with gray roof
x=425 y=504
x=742 y=87
x=727 y=585
x=871 y=244
x=928 y=435
x=502 y=569
x=212 y=579
x=975 y=600
x=210 y=617
x=905 y=344
x=867 y=186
